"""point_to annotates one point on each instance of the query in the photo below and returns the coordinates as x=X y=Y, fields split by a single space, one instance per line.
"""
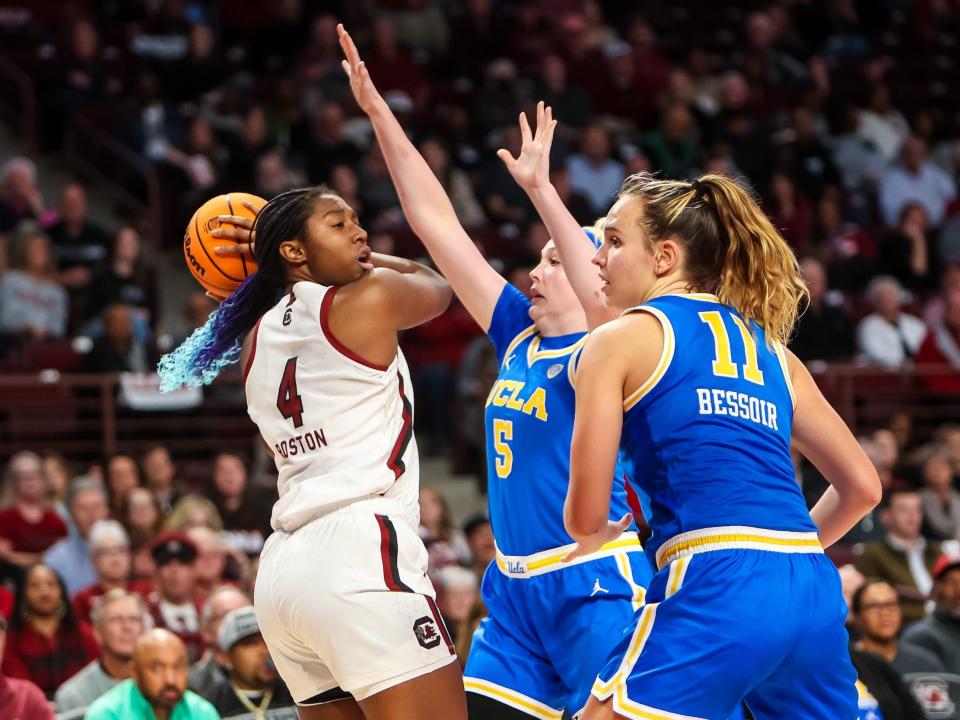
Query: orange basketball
x=220 y=275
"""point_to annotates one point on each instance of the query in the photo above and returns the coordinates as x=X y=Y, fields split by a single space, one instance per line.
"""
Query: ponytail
x=732 y=248
x=215 y=345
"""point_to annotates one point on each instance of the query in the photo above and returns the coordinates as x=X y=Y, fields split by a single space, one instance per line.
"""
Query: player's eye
x=554 y=261
x=338 y=225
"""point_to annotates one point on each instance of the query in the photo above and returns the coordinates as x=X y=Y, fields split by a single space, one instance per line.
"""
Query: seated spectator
x=940 y=632
x=888 y=336
x=245 y=510
x=29 y=526
x=20 y=198
x=593 y=171
x=45 y=642
x=673 y=147
x=20 y=698
x=575 y=202
x=884 y=687
x=483 y=549
x=33 y=305
x=57 y=473
x=790 y=212
x=252 y=684
x=78 y=242
x=939 y=500
x=110 y=552
x=208 y=671
x=823 y=331
x=123 y=475
x=914 y=179
x=846 y=247
x=118 y=620
x=211 y=567
x=140 y=514
x=193 y=511
x=323 y=144
x=160 y=475
x=806 y=159
x=444 y=542
x=70 y=557
x=158 y=687
x=173 y=605
x=878 y=619
x=948 y=435
x=119 y=349
x=905 y=251
x=941 y=349
x=904 y=558
x=124 y=278
x=455 y=182
x=459 y=592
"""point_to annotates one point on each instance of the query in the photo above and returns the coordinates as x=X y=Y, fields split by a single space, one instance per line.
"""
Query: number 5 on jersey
x=288 y=399
x=502 y=435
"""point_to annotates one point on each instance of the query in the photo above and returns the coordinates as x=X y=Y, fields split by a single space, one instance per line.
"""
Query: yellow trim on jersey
x=512 y=698
x=519 y=338
x=666 y=357
x=785 y=366
x=524 y=566
x=534 y=353
x=736 y=537
x=639 y=593
x=572 y=366
x=617 y=685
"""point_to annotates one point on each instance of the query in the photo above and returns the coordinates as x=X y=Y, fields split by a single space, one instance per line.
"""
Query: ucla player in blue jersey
x=694 y=380
x=550 y=625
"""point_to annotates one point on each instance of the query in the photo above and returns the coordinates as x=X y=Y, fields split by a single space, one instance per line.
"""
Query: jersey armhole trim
x=666 y=357
x=572 y=366
x=253 y=351
x=325 y=306
x=785 y=367
x=519 y=338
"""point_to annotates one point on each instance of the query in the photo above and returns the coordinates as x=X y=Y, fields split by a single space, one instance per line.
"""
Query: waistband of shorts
x=525 y=566
x=736 y=537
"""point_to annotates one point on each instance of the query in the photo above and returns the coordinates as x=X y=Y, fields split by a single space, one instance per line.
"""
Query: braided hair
x=215 y=345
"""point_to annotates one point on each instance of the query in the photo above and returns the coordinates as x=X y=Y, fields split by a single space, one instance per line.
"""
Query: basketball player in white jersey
x=342 y=595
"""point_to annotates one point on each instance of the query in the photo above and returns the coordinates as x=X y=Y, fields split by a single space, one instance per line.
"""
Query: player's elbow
x=581 y=521
x=870 y=489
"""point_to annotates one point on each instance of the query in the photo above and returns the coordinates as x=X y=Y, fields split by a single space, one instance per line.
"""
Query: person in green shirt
x=158 y=688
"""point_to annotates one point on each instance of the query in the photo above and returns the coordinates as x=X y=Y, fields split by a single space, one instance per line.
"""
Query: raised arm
x=531 y=171
x=424 y=201
x=822 y=436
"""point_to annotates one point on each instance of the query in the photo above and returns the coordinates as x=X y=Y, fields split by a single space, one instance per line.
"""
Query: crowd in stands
x=127 y=561
x=848 y=133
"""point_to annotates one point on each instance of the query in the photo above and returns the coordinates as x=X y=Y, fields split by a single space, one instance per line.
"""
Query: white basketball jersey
x=341 y=429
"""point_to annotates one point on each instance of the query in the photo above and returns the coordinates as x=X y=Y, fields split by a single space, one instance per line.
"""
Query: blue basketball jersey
x=529 y=426
x=708 y=434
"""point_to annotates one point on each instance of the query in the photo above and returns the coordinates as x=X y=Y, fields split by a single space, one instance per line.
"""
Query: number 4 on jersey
x=288 y=399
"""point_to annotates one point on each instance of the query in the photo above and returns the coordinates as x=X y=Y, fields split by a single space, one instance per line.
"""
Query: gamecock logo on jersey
x=427 y=632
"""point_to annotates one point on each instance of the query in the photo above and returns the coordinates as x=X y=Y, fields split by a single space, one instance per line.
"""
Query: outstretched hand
x=531 y=170
x=611 y=532
x=364 y=91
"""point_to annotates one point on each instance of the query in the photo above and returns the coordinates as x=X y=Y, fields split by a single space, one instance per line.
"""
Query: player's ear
x=293 y=252
x=667 y=256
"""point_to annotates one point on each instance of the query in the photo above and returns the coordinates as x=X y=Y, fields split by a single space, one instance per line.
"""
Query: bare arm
x=531 y=170
x=824 y=439
x=611 y=361
x=425 y=203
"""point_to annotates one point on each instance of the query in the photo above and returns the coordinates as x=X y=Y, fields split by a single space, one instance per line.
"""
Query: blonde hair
x=732 y=249
x=180 y=515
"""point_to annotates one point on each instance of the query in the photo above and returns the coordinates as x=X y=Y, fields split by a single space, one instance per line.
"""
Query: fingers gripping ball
x=220 y=275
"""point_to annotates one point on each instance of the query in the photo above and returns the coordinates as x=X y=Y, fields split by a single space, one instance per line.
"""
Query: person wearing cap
x=174 y=605
x=207 y=671
x=158 y=688
x=118 y=620
x=20 y=698
x=110 y=552
x=253 y=685
x=940 y=632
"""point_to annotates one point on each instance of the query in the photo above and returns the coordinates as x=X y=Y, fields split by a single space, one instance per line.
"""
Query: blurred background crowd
x=119 y=118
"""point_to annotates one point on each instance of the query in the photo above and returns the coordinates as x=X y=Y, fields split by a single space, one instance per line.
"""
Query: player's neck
x=566 y=324
x=670 y=285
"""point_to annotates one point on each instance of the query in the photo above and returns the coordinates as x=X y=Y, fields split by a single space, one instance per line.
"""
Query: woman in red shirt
x=45 y=643
x=29 y=526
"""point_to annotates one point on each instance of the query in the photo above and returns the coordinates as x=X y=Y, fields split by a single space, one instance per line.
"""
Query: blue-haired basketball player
x=550 y=625
x=693 y=382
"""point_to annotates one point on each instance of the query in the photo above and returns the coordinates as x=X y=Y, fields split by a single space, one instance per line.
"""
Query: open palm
x=364 y=91
x=531 y=170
